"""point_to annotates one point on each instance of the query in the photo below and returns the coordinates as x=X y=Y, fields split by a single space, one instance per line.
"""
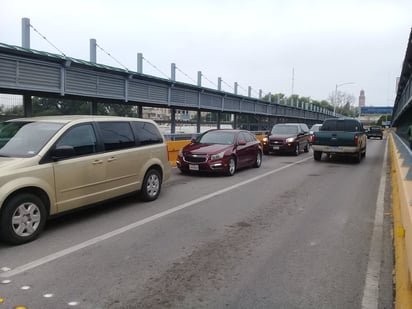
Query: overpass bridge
x=35 y=73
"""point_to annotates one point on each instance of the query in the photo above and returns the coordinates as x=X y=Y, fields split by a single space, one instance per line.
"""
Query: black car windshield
x=217 y=137
x=282 y=129
x=25 y=139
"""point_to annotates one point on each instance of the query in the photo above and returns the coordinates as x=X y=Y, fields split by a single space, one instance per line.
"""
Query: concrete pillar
x=27 y=105
x=219 y=83
x=173 y=121
x=236 y=85
x=94 y=107
x=140 y=63
x=249 y=91
x=199 y=78
x=199 y=121
x=25 y=33
x=173 y=72
x=93 y=57
x=260 y=94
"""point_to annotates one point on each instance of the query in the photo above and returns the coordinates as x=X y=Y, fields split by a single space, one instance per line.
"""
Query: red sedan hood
x=206 y=148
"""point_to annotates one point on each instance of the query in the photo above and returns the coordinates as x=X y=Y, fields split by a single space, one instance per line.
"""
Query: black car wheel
x=258 y=161
x=231 y=167
x=306 y=149
x=297 y=150
x=151 y=186
x=22 y=218
x=317 y=155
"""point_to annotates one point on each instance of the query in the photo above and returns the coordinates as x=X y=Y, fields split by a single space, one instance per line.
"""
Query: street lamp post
x=336 y=95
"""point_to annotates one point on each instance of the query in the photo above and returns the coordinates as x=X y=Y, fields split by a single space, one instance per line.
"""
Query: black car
x=374 y=132
x=287 y=138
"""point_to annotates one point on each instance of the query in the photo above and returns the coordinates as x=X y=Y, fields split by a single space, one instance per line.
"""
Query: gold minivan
x=53 y=164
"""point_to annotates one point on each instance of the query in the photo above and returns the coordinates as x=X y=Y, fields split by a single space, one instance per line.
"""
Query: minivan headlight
x=290 y=140
x=217 y=156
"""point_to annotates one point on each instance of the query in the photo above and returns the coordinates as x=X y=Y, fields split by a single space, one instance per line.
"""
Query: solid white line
x=371 y=290
x=95 y=240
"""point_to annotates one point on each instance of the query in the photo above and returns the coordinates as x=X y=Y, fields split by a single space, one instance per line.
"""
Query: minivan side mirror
x=62 y=152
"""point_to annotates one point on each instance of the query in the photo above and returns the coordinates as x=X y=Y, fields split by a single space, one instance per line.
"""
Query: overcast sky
x=255 y=43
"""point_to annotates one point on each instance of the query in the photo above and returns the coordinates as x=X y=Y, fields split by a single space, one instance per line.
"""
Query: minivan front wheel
x=151 y=185
x=22 y=218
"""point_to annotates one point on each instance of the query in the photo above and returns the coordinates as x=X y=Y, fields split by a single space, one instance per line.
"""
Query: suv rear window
x=348 y=125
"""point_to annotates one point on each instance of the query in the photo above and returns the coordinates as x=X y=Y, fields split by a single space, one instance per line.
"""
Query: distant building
x=362 y=99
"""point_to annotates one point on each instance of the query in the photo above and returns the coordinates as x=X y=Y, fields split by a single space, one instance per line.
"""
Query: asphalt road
x=294 y=233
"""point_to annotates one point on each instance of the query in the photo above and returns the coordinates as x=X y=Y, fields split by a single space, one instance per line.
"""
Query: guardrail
x=401 y=170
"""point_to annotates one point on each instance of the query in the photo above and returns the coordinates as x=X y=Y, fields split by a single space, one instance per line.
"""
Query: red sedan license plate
x=193 y=167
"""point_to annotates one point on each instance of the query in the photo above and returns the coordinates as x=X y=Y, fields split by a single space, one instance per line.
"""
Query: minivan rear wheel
x=151 y=185
x=22 y=218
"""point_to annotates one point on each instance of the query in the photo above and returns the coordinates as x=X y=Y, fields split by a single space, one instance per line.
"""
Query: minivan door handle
x=111 y=159
x=97 y=162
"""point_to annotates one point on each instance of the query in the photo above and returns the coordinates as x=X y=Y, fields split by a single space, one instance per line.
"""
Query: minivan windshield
x=25 y=139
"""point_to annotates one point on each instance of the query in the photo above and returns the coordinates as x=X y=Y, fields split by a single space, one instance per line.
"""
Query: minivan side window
x=82 y=138
x=116 y=135
x=146 y=133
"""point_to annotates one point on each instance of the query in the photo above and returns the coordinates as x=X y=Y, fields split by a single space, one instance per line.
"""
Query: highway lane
x=294 y=233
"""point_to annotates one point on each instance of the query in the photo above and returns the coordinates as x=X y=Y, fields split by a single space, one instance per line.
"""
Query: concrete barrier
x=402 y=222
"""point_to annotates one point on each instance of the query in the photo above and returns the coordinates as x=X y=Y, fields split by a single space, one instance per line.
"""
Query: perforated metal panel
x=8 y=72
x=39 y=76
x=183 y=97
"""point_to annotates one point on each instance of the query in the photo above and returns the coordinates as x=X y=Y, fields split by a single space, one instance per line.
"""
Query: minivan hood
x=10 y=163
x=206 y=148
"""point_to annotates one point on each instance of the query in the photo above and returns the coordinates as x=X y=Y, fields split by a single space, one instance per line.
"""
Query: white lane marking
x=95 y=240
x=371 y=290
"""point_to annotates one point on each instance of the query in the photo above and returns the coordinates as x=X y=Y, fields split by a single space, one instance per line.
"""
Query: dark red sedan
x=222 y=151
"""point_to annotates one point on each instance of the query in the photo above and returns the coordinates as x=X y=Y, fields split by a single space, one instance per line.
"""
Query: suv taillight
x=356 y=140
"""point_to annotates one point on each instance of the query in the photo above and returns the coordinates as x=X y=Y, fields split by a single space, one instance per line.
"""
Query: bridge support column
x=235 y=120
x=27 y=105
x=93 y=108
x=173 y=121
x=140 y=111
x=199 y=121
x=218 y=114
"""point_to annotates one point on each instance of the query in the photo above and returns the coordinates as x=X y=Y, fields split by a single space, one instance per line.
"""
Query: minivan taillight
x=313 y=138
x=356 y=140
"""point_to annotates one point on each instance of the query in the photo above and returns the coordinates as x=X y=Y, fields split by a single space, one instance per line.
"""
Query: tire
x=306 y=149
x=317 y=155
x=297 y=150
x=258 y=161
x=358 y=157
x=22 y=218
x=151 y=186
x=231 y=167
